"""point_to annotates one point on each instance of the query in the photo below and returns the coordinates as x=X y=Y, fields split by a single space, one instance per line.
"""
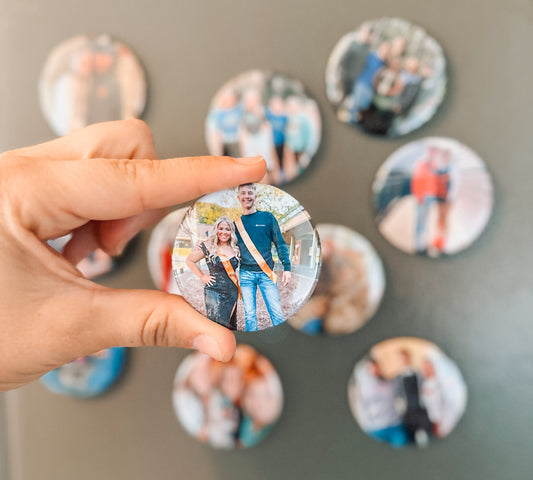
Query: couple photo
x=242 y=242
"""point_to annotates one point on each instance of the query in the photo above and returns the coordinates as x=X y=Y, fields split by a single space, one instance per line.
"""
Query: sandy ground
x=292 y=297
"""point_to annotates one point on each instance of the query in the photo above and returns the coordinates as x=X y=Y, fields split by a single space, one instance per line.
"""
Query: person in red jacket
x=424 y=188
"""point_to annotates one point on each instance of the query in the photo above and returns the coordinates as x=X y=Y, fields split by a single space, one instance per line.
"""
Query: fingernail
x=206 y=344
x=250 y=160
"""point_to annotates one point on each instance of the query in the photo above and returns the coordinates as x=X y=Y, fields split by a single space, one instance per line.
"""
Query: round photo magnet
x=260 y=112
x=406 y=391
x=89 y=79
x=248 y=258
x=87 y=376
x=433 y=197
x=231 y=405
x=387 y=77
x=350 y=286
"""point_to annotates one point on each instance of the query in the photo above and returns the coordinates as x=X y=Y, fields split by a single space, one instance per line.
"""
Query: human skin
x=102 y=183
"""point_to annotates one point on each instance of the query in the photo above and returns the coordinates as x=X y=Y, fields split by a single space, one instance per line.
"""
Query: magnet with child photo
x=231 y=405
x=248 y=258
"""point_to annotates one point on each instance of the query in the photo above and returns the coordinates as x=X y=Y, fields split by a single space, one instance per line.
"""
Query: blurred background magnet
x=388 y=77
x=229 y=405
x=433 y=197
x=89 y=79
x=350 y=286
x=264 y=113
x=407 y=391
x=87 y=376
x=159 y=251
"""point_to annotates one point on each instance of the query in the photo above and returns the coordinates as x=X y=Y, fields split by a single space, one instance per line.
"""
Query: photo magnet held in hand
x=234 y=244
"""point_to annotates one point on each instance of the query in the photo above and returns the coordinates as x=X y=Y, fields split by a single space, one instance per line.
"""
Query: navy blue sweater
x=263 y=229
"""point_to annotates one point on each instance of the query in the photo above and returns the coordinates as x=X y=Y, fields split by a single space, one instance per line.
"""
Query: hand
x=207 y=279
x=102 y=184
x=286 y=278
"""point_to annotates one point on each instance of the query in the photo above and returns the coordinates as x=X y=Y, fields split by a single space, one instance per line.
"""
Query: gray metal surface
x=475 y=306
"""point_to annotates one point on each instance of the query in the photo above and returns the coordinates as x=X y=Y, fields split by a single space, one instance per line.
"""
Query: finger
x=114 y=235
x=107 y=189
x=148 y=318
x=84 y=240
x=111 y=236
x=130 y=138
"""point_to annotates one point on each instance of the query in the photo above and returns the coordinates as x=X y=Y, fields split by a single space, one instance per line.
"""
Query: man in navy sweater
x=263 y=230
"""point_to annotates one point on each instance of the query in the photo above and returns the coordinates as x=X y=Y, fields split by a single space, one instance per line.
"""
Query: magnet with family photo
x=87 y=376
x=387 y=77
x=350 y=285
x=248 y=258
x=231 y=405
x=260 y=112
x=433 y=197
x=89 y=79
x=159 y=251
x=406 y=391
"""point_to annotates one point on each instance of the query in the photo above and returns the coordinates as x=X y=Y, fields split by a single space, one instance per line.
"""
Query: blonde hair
x=212 y=241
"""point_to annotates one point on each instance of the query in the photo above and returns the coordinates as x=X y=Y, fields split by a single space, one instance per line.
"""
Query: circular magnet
x=433 y=197
x=87 y=376
x=230 y=405
x=260 y=112
x=350 y=286
x=89 y=79
x=387 y=77
x=247 y=258
x=406 y=391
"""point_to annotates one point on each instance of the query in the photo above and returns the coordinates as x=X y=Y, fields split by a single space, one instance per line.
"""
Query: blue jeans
x=249 y=282
x=396 y=435
x=362 y=98
x=422 y=214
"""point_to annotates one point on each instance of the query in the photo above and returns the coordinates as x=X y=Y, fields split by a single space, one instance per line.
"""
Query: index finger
x=129 y=138
x=107 y=189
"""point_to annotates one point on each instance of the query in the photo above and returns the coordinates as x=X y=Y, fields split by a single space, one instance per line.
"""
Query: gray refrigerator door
x=476 y=306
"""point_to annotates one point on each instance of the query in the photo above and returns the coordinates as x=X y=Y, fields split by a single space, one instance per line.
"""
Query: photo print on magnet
x=260 y=112
x=433 y=197
x=231 y=405
x=89 y=79
x=248 y=258
x=407 y=392
x=388 y=77
x=350 y=285
x=87 y=376
x=159 y=251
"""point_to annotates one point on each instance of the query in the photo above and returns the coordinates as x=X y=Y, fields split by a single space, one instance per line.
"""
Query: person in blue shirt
x=225 y=121
x=278 y=119
x=263 y=229
x=363 y=89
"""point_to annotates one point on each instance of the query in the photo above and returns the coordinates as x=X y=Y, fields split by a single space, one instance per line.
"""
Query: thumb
x=134 y=318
